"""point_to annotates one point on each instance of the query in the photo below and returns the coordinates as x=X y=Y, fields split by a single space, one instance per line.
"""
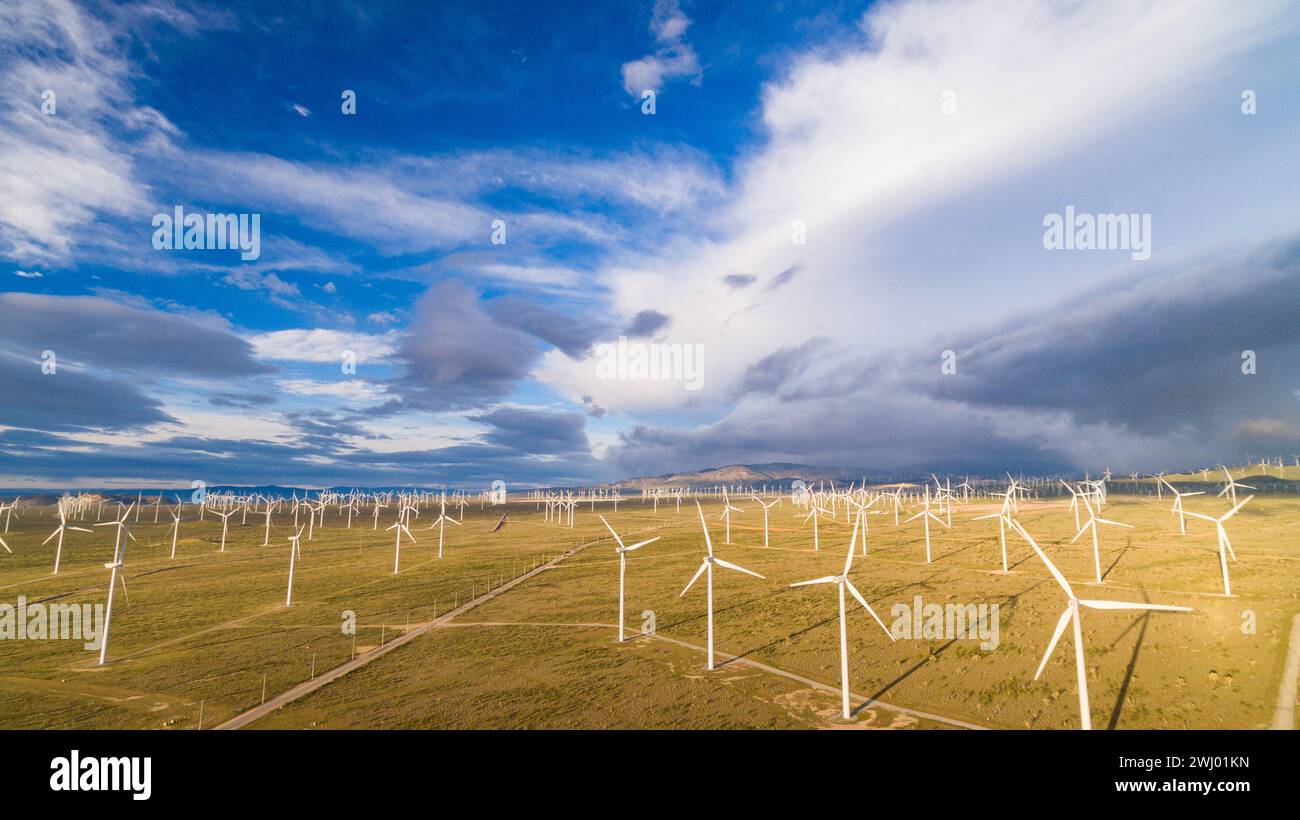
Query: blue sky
x=918 y=145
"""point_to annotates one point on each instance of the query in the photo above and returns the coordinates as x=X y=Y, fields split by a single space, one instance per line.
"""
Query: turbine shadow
x=873 y=698
x=1128 y=673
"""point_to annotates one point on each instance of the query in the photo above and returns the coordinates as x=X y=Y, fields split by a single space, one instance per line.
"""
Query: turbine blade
x=823 y=580
x=641 y=544
x=737 y=568
x=708 y=542
x=1056 y=636
x=864 y=603
x=703 y=565
x=1056 y=573
x=1093 y=604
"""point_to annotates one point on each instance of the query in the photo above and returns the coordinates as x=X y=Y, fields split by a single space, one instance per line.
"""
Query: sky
x=477 y=223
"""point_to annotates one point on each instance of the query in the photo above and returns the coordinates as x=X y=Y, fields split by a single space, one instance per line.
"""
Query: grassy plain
x=202 y=632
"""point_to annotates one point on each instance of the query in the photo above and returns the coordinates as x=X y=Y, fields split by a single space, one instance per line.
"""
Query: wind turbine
x=119 y=558
x=1230 y=489
x=622 y=551
x=1178 y=506
x=9 y=511
x=765 y=507
x=1004 y=518
x=1074 y=503
x=58 y=550
x=727 y=509
x=1092 y=523
x=266 y=539
x=225 y=522
x=841 y=581
x=294 y=557
x=1224 y=543
x=1071 y=613
x=176 y=524
x=400 y=526
x=812 y=513
x=925 y=516
x=707 y=566
x=442 y=520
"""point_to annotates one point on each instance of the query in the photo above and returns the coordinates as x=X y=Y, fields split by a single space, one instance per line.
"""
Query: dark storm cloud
x=537 y=432
x=187 y=458
x=109 y=334
x=245 y=401
x=783 y=277
x=1154 y=361
x=876 y=431
x=736 y=281
x=70 y=400
x=646 y=323
x=1144 y=355
x=457 y=356
x=778 y=371
x=571 y=335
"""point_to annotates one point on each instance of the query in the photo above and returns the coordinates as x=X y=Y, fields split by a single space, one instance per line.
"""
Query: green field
x=205 y=632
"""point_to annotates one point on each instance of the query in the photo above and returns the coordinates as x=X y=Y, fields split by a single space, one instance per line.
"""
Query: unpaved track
x=307 y=687
x=1284 y=717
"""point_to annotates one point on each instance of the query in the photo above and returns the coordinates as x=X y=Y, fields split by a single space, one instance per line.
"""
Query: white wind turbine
x=1004 y=518
x=622 y=551
x=765 y=507
x=442 y=520
x=1225 y=546
x=400 y=526
x=812 y=513
x=225 y=522
x=1230 y=489
x=9 y=511
x=707 y=566
x=727 y=510
x=266 y=538
x=1178 y=506
x=294 y=557
x=1074 y=503
x=58 y=550
x=841 y=581
x=176 y=524
x=925 y=515
x=119 y=558
x=1071 y=613
x=1092 y=523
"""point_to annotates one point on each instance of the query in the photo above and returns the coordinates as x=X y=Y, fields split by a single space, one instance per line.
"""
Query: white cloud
x=354 y=390
x=320 y=346
x=858 y=146
x=673 y=58
x=61 y=171
x=26 y=274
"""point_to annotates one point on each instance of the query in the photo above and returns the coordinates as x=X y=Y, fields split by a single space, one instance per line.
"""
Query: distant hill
x=756 y=474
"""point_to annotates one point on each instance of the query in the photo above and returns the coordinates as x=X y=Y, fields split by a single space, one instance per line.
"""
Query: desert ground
x=200 y=639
